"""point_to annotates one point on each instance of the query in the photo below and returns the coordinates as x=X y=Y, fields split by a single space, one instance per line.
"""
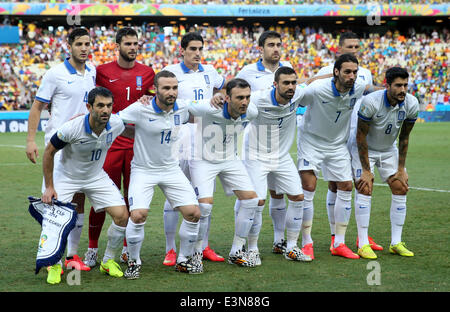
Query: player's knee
x=247 y=195
x=273 y=194
x=191 y=213
x=332 y=186
x=345 y=186
x=138 y=216
x=121 y=217
x=296 y=198
x=398 y=188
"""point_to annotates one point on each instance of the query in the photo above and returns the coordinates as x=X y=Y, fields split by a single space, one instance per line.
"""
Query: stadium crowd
x=229 y=48
x=240 y=2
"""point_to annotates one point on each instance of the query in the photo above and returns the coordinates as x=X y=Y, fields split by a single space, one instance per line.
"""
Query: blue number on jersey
x=165 y=137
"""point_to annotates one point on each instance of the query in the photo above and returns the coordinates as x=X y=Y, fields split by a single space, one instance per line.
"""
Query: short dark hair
x=191 y=36
x=99 y=91
x=267 y=34
x=347 y=35
x=283 y=70
x=163 y=74
x=347 y=57
x=395 y=72
x=126 y=31
x=77 y=32
x=236 y=83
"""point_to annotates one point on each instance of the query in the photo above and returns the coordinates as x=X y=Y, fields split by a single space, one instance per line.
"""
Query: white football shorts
x=102 y=192
x=335 y=163
x=386 y=162
x=282 y=178
x=232 y=175
x=172 y=182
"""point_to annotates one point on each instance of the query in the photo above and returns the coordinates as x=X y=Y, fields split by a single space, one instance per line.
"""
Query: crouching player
x=84 y=142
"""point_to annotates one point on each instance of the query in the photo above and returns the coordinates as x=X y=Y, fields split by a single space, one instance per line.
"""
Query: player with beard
x=64 y=89
x=128 y=80
x=384 y=115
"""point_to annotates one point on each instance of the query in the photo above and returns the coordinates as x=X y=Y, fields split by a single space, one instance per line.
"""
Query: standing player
x=216 y=155
x=84 y=142
x=65 y=90
x=155 y=162
x=267 y=158
x=196 y=81
x=128 y=80
x=348 y=43
x=382 y=116
x=324 y=130
x=260 y=75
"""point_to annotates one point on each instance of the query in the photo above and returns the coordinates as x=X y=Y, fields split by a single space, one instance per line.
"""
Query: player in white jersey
x=155 y=162
x=84 y=142
x=260 y=75
x=324 y=133
x=383 y=116
x=216 y=155
x=64 y=88
x=348 y=43
x=267 y=158
x=196 y=82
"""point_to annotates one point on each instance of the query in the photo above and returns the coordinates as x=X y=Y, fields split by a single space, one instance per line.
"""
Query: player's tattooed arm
x=403 y=142
x=365 y=183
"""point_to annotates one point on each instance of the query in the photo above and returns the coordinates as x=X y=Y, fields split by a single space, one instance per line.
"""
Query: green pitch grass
x=425 y=232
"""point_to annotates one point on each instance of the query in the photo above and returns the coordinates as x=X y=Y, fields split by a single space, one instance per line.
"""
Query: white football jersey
x=196 y=85
x=364 y=77
x=84 y=152
x=217 y=132
x=386 y=120
x=327 y=118
x=67 y=91
x=258 y=76
x=272 y=132
x=156 y=133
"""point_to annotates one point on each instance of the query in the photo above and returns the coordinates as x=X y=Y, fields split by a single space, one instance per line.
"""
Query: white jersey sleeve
x=47 y=87
x=132 y=113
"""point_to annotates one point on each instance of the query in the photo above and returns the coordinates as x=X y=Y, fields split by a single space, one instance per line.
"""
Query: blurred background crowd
x=229 y=48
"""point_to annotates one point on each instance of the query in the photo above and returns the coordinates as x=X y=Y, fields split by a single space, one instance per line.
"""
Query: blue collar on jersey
x=260 y=66
x=336 y=92
x=386 y=101
x=274 y=99
x=71 y=69
x=87 y=126
x=159 y=110
x=227 y=115
x=186 y=69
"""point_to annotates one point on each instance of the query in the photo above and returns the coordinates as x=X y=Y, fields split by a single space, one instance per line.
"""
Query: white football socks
x=277 y=210
x=331 y=201
x=294 y=220
x=73 y=240
x=115 y=241
x=253 y=234
x=308 y=215
x=205 y=213
x=188 y=236
x=362 y=216
x=342 y=211
x=398 y=216
x=244 y=222
x=135 y=236
x=170 y=225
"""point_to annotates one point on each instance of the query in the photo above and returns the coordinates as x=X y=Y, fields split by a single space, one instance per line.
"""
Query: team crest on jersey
x=401 y=115
x=109 y=138
x=176 y=119
x=206 y=79
x=352 y=102
x=138 y=82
